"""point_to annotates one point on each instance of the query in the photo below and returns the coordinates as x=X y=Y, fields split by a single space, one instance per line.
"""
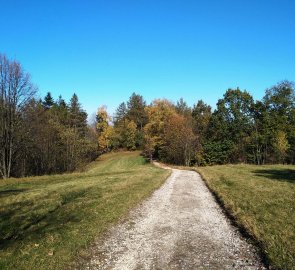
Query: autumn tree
x=179 y=141
x=281 y=145
x=104 y=130
x=130 y=135
x=158 y=114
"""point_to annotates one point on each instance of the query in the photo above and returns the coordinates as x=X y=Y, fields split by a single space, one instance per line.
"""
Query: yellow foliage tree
x=158 y=114
x=281 y=145
x=105 y=139
x=130 y=135
x=104 y=130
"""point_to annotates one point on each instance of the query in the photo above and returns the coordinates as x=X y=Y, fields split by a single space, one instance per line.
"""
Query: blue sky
x=105 y=50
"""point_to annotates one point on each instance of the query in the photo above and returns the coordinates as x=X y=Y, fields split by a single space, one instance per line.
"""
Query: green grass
x=46 y=222
x=262 y=200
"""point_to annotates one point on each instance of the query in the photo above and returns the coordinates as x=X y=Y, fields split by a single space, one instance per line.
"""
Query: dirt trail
x=179 y=227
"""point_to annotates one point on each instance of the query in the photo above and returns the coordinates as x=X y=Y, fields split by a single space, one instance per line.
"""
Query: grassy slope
x=262 y=200
x=46 y=221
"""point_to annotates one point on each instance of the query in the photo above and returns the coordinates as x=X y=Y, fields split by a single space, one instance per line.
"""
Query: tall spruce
x=136 y=110
x=48 y=101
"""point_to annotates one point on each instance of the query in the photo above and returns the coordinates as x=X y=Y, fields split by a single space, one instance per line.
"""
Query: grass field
x=262 y=200
x=47 y=221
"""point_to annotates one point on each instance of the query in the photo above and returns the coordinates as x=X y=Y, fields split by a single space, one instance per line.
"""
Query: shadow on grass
x=17 y=225
x=9 y=192
x=284 y=175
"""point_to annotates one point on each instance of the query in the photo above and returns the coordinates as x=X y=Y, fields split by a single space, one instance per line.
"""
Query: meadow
x=49 y=221
x=261 y=200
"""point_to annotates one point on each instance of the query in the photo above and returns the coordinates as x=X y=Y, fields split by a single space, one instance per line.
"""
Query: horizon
x=105 y=51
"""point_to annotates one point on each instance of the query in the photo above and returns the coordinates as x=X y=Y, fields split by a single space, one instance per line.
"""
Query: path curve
x=179 y=227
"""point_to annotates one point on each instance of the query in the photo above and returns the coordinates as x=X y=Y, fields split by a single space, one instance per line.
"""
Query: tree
x=279 y=102
x=179 y=141
x=16 y=91
x=104 y=130
x=158 y=114
x=231 y=124
x=260 y=138
x=120 y=114
x=201 y=115
x=136 y=111
x=77 y=116
x=281 y=145
x=48 y=101
x=182 y=108
x=52 y=141
x=130 y=135
x=105 y=139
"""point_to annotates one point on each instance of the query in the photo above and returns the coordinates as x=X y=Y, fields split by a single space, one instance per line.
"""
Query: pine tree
x=78 y=117
x=120 y=114
x=136 y=111
x=48 y=101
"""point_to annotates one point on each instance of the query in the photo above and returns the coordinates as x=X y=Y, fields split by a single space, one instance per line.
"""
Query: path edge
x=228 y=213
x=241 y=228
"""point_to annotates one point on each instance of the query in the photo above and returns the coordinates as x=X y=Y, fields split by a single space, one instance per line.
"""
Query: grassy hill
x=46 y=221
x=262 y=200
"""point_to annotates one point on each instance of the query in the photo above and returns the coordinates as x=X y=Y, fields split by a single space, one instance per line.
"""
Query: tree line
x=44 y=136
x=39 y=136
x=239 y=130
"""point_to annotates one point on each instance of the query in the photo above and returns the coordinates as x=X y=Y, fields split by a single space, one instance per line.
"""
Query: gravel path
x=179 y=227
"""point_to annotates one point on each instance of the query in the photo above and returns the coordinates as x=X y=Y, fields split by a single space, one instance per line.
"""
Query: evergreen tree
x=120 y=114
x=77 y=116
x=136 y=110
x=48 y=101
x=182 y=108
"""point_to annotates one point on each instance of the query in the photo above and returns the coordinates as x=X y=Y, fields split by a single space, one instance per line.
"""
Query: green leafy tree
x=279 y=101
x=260 y=138
x=201 y=115
x=231 y=124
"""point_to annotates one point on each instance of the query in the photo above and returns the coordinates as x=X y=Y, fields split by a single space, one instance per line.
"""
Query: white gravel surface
x=179 y=227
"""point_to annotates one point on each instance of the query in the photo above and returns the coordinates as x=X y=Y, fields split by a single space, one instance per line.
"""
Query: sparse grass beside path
x=262 y=200
x=46 y=221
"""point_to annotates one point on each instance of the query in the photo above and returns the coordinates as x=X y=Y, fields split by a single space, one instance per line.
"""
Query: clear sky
x=105 y=50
